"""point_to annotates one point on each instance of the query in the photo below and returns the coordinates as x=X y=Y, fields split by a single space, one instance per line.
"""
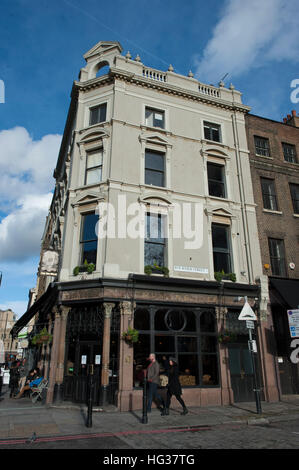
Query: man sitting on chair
x=34 y=383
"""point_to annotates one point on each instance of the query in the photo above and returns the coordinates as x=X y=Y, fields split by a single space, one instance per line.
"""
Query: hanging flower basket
x=130 y=336
x=42 y=337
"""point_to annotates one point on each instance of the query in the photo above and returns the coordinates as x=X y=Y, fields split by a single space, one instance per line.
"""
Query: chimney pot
x=289 y=116
x=284 y=120
x=293 y=112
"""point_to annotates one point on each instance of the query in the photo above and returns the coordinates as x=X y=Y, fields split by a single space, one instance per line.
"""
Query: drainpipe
x=242 y=199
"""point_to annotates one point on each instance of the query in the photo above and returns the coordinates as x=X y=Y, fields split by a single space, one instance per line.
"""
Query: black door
x=241 y=372
x=88 y=353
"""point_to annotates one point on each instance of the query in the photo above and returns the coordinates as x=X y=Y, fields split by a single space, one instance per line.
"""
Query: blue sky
x=41 y=52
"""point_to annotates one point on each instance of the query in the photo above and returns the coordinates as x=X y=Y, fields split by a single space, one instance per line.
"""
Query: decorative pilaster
x=106 y=349
x=54 y=355
x=61 y=350
x=126 y=357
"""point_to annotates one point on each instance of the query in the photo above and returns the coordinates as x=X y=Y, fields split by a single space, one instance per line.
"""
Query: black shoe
x=163 y=411
x=166 y=411
x=184 y=412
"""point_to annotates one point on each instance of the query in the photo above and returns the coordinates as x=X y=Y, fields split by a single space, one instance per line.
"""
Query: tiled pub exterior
x=158 y=141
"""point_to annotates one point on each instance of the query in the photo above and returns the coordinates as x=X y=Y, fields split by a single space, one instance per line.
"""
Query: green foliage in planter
x=42 y=337
x=131 y=335
x=219 y=275
x=148 y=269
x=86 y=267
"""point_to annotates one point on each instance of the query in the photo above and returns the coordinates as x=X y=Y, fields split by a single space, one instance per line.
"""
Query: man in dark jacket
x=153 y=378
x=14 y=378
x=174 y=386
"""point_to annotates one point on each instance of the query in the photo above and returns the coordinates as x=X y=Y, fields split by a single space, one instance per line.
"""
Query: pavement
x=21 y=418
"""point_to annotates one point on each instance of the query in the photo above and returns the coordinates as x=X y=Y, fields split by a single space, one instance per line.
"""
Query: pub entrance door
x=241 y=372
x=87 y=353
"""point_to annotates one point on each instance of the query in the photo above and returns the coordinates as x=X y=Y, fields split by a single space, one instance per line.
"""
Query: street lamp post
x=248 y=314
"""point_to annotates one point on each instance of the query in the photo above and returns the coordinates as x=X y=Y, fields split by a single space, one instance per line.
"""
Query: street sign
x=250 y=324
x=247 y=313
x=293 y=317
x=252 y=345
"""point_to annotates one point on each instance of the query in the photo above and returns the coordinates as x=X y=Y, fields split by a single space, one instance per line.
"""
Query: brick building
x=274 y=148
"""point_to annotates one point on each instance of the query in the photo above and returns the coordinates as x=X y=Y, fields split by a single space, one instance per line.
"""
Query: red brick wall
x=284 y=225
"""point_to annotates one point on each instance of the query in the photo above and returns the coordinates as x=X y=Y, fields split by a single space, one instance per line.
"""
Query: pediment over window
x=96 y=133
x=222 y=212
x=155 y=200
x=154 y=139
x=216 y=153
x=89 y=197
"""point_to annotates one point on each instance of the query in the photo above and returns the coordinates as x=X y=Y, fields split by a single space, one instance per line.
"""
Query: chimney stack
x=294 y=112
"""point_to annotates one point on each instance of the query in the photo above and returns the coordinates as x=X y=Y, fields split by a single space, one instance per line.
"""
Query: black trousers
x=178 y=397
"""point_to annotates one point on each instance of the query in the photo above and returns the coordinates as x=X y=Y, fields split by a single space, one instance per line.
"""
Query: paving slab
x=20 y=418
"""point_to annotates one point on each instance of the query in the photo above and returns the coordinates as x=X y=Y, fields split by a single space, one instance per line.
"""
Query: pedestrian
x=1 y=377
x=23 y=373
x=153 y=379
x=14 y=379
x=174 y=386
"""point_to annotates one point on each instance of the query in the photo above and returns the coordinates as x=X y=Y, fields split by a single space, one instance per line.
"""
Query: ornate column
x=54 y=355
x=61 y=351
x=106 y=350
x=224 y=373
x=125 y=359
x=47 y=361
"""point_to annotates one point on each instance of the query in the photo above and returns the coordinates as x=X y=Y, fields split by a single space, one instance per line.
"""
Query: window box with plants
x=156 y=269
x=130 y=336
x=85 y=268
x=222 y=276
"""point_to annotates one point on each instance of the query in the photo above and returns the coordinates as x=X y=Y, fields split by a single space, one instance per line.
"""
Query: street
x=280 y=435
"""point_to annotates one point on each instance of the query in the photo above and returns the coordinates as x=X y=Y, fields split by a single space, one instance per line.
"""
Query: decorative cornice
x=160 y=86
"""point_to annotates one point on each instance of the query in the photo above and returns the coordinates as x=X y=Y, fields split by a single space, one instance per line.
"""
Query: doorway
x=241 y=372
x=76 y=382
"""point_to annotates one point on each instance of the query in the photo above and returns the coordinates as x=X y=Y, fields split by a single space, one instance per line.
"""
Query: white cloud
x=22 y=229
x=26 y=179
x=26 y=166
x=249 y=34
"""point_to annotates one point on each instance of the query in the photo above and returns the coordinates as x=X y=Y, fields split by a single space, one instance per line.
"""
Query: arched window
x=190 y=335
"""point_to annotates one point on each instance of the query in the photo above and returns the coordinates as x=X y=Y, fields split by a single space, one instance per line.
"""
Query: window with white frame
x=154 y=168
x=289 y=153
x=262 y=146
x=155 y=240
x=216 y=179
x=154 y=117
x=98 y=114
x=212 y=131
x=88 y=238
x=94 y=163
x=221 y=248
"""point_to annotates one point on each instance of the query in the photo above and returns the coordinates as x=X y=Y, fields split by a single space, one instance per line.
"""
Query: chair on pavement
x=38 y=391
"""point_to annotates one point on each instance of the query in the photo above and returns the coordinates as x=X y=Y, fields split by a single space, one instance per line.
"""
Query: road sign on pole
x=247 y=313
x=250 y=324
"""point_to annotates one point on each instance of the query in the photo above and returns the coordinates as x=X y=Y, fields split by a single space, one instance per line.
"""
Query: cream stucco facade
x=195 y=135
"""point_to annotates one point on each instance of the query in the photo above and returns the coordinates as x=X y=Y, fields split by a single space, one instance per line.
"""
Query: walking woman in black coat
x=174 y=386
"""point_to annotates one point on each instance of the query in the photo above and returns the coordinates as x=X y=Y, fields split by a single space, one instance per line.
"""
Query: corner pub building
x=159 y=144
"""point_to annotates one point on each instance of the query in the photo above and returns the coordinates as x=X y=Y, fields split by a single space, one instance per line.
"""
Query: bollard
x=90 y=393
x=144 y=409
